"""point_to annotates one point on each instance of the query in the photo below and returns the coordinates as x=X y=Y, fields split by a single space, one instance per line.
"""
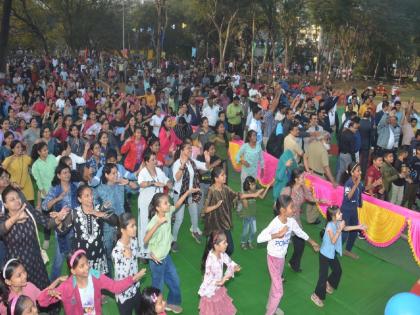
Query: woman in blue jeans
x=63 y=193
x=352 y=200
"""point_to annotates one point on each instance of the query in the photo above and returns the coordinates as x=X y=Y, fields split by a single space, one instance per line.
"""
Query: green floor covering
x=365 y=287
x=366 y=284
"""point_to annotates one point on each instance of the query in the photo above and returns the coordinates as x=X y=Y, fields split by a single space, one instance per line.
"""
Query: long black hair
x=123 y=221
x=282 y=202
x=180 y=148
x=20 y=304
x=247 y=183
x=6 y=274
x=148 y=302
x=214 y=238
x=216 y=173
x=347 y=174
x=156 y=200
x=36 y=148
x=296 y=173
x=225 y=137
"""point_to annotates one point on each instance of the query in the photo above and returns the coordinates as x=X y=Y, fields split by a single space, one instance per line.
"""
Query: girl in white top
x=151 y=180
x=156 y=121
x=124 y=257
x=278 y=234
x=214 y=298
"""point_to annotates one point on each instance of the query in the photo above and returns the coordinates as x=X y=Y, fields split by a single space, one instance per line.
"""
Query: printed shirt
x=278 y=247
x=214 y=273
x=126 y=266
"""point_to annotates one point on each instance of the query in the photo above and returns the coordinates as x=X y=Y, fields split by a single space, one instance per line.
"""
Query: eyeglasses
x=5 y=177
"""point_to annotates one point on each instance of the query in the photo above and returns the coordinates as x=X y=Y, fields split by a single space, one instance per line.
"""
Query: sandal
x=329 y=289
x=318 y=302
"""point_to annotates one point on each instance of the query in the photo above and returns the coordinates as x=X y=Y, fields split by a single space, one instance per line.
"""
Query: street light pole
x=123 y=26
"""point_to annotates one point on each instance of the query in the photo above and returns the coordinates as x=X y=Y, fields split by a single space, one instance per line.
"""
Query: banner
x=385 y=221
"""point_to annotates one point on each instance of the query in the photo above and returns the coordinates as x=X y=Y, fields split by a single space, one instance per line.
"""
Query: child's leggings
x=275 y=267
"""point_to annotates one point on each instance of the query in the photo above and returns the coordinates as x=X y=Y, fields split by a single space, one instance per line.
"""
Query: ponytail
x=214 y=238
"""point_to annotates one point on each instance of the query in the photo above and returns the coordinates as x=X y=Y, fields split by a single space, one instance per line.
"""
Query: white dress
x=145 y=196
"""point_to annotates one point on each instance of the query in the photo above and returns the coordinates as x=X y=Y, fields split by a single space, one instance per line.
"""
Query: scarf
x=186 y=184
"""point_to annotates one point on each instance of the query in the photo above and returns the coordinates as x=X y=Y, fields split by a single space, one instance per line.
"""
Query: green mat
x=366 y=284
x=365 y=287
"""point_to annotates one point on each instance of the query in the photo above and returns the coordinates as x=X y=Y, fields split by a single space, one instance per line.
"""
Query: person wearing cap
x=234 y=115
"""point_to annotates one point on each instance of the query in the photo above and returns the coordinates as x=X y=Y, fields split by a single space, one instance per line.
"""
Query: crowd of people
x=76 y=151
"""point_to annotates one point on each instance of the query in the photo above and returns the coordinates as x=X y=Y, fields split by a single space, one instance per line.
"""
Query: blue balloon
x=403 y=304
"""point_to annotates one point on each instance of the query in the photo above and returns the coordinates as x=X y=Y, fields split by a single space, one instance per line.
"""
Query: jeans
x=60 y=256
x=333 y=279
x=165 y=273
x=351 y=218
x=343 y=162
x=249 y=229
x=229 y=240
x=179 y=217
x=109 y=243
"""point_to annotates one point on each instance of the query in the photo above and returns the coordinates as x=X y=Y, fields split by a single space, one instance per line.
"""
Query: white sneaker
x=198 y=230
x=279 y=312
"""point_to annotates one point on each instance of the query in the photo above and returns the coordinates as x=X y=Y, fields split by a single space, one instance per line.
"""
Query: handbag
x=44 y=254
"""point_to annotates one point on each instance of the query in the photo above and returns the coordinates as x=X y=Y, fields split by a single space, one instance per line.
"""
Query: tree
x=4 y=35
x=33 y=15
x=222 y=14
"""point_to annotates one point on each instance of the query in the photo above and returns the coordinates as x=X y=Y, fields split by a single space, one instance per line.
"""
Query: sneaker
x=197 y=237
x=46 y=244
x=244 y=246
x=318 y=302
x=361 y=236
x=250 y=246
x=173 y=308
x=174 y=247
x=351 y=255
x=330 y=289
x=279 y=312
x=198 y=230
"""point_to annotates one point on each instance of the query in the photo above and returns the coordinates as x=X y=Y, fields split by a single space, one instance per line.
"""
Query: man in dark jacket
x=366 y=134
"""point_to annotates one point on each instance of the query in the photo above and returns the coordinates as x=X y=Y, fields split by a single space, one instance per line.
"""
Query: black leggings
x=333 y=279
x=131 y=305
x=298 y=248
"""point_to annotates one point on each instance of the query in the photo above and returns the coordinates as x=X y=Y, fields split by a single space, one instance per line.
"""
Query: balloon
x=403 y=304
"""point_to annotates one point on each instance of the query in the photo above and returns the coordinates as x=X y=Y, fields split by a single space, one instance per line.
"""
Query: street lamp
x=123 y=25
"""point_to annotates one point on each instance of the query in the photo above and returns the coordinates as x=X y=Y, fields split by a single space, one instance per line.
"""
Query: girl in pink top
x=214 y=298
x=14 y=277
x=168 y=139
x=22 y=305
x=81 y=292
x=152 y=302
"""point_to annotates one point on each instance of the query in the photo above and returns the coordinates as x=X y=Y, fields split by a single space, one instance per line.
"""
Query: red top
x=374 y=174
x=134 y=150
